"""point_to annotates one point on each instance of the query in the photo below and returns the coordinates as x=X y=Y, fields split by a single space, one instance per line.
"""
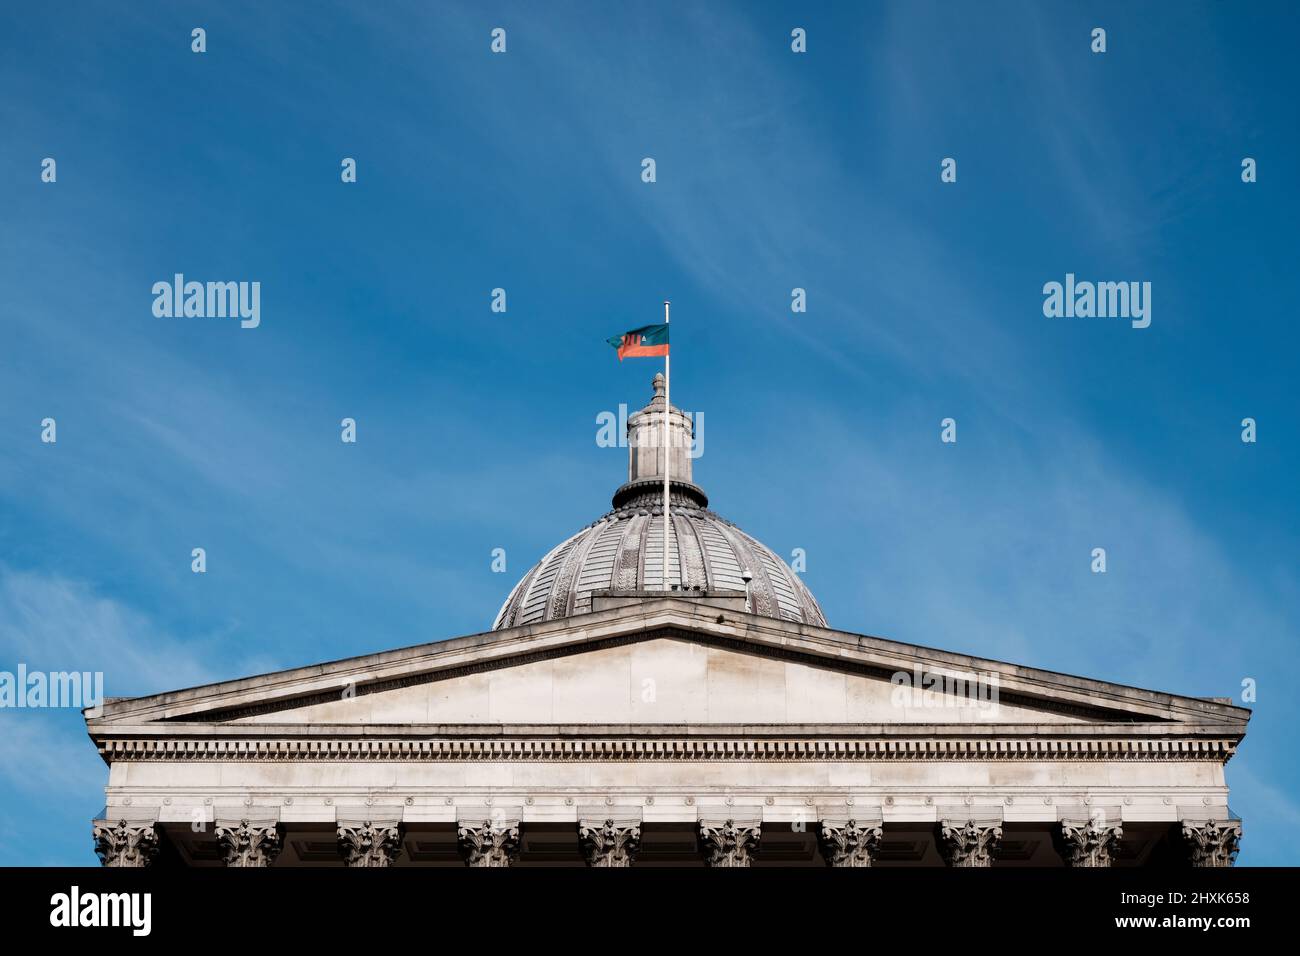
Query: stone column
x=369 y=843
x=969 y=843
x=245 y=843
x=125 y=844
x=728 y=843
x=488 y=843
x=1090 y=843
x=611 y=842
x=1212 y=842
x=849 y=842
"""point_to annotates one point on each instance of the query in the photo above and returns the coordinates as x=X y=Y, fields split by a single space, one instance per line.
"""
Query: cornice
x=659 y=743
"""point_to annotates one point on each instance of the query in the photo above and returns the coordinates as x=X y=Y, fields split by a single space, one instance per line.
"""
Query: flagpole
x=668 y=407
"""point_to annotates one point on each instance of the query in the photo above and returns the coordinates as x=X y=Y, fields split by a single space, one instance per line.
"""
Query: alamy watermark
x=1102 y=300
x=612 y=432
x=51 y=688
x=209 y=300
x=925 y=688
x=74 y=908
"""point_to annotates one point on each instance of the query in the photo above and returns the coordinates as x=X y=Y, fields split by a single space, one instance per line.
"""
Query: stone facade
x=408 y=757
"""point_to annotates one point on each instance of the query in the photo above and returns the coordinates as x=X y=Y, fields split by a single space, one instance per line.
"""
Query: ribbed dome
x=623 y=550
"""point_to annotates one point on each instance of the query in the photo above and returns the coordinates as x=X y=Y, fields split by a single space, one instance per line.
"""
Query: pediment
x=665 y=662
x=667 y=680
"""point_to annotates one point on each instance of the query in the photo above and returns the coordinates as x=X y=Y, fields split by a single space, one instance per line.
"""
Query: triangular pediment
x=664 y=662
x=668 y=680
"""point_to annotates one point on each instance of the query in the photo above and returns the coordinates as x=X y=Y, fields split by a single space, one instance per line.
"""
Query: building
x=608 y=721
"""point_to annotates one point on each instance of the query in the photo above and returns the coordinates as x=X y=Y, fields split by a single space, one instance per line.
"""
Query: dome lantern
x=619 y=558
x=645 y=456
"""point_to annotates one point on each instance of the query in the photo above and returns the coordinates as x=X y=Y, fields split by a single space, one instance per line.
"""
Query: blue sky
x=477 y=430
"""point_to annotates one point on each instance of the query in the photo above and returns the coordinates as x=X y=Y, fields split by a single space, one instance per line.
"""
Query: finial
x=658 y=384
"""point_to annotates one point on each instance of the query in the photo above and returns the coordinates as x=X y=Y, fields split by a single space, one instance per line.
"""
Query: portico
x=764 y=742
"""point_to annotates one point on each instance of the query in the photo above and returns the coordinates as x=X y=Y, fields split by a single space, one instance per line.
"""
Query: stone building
x=606 y=720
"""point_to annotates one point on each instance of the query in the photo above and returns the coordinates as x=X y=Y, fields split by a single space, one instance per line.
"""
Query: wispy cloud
x=50 y=622
x=986 y=546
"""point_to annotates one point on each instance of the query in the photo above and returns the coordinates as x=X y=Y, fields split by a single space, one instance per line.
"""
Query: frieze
x=694 y=748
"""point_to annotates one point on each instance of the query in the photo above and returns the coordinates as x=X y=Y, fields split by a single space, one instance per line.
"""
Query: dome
x=621 y=553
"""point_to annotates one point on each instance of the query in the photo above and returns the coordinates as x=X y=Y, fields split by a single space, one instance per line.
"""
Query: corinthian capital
x=1090 y=844
x=1212 y=842
x=248 y=844
x=849 y=843
x=969 y=843
x=611 y=842
x=488 y=843
x=125 y=844
x=729 y=842
x=370 y=844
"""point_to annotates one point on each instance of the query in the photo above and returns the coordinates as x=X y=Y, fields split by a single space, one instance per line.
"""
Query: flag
x=647 y=340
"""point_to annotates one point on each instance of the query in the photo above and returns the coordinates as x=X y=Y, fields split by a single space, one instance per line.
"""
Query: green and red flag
x=647 y=340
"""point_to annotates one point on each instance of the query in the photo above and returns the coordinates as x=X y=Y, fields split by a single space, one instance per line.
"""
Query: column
x=369 y=843
x=848 y=842
x=1212 y=842
x=125 y=844
x=969 y=843
x=245 y=843
x=488 y=843
x=728 y=843
x=1090 y=843
x=610 y=842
